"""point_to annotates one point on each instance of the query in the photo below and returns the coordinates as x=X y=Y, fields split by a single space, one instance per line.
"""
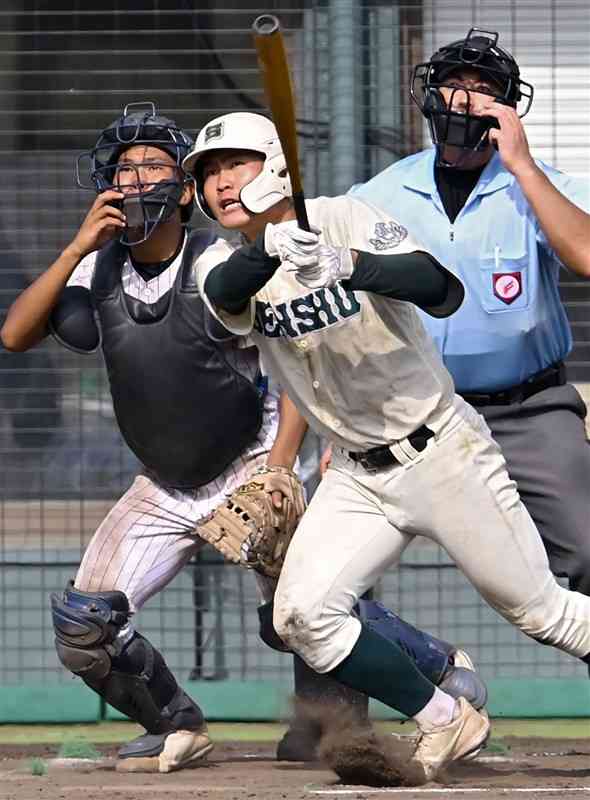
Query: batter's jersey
x=360 y=367
x=512 y=322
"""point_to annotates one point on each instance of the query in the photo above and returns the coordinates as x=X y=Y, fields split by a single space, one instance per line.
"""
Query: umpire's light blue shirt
x=512 y=322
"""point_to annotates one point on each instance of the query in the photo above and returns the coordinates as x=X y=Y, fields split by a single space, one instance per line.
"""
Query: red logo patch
x=507 y=286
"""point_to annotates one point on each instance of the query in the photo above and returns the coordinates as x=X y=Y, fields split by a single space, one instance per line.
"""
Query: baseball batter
x=133 y=265
x=339 y=331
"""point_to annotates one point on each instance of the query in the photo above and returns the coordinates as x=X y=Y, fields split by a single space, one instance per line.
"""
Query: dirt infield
x=513 y=767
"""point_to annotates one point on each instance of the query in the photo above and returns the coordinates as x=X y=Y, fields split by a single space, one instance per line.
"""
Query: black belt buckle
x=378 y=458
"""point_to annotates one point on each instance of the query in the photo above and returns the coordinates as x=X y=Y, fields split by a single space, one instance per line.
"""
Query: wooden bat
x=272 y=58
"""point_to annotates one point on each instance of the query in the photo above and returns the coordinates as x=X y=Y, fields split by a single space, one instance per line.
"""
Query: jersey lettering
x=319 y=309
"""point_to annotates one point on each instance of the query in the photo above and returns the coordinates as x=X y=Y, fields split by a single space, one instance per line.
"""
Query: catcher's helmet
x=243 y=130
x=478 y=51
x=140 y=124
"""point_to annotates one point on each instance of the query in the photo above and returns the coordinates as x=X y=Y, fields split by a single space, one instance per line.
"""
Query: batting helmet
x=243 y=131
x=140 y=124
x=478 y=51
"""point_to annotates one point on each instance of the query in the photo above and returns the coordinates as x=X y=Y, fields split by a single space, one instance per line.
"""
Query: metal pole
x=343 y=26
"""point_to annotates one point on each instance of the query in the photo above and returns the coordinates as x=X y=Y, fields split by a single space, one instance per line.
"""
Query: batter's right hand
x=290 y=243
x=102 y=224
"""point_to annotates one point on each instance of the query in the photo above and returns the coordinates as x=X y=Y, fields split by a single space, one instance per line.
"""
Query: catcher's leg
x=95 y=641
x=441 y=662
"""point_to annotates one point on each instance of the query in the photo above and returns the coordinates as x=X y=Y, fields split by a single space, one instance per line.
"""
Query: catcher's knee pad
x=431 y=655
x=121 y=666
x=85 y=623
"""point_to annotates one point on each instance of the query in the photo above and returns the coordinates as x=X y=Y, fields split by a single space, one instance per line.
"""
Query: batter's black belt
x=555 y=375
x=381 y=457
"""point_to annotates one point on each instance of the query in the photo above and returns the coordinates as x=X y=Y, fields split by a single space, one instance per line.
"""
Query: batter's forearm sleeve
x=230 y=285
x=414 y=277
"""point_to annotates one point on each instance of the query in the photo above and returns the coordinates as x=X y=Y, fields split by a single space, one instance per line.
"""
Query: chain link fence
x=66 y=70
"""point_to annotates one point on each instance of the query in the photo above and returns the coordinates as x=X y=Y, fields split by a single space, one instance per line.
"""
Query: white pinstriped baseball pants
x=456 y=492
x=146 y=538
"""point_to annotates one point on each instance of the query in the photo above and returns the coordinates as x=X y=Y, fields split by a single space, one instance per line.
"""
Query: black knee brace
x=127 y=671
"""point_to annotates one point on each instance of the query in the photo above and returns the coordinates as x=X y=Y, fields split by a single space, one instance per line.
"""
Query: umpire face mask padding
x=457 y=129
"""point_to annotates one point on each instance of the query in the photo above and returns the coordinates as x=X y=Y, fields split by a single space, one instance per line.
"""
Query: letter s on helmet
x=477 y=51
x=243 y=130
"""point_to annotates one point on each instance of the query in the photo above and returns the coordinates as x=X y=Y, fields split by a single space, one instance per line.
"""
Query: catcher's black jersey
x=182 y=408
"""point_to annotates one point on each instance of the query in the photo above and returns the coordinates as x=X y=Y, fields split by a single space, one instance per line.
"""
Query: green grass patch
x=38 y=766
x=498 y=747
x=119 y=732
x=78 y=747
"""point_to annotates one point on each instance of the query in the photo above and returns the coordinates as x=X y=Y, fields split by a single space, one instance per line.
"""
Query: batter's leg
x=476 y=514
x=343 y=545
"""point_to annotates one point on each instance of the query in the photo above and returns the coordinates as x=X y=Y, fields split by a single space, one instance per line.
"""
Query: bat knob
x=266 y=24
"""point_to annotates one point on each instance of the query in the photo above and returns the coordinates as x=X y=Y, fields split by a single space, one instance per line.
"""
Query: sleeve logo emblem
x=388 y=235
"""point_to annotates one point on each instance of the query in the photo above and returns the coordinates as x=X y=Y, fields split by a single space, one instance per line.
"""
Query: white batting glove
x=333 y=264
x=292 y=244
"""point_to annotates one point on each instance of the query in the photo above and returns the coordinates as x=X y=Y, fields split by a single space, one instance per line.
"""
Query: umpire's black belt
x=554 y=375
x=381 y=457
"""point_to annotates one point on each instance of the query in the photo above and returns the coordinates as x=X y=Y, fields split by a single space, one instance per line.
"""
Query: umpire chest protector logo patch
x=507 y=286
x=388 y=235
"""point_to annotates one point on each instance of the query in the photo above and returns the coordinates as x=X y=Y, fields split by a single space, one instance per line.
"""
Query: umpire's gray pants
x=547 y=453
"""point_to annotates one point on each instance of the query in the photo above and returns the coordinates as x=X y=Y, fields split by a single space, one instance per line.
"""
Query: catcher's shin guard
x=95 y=641
x=432 y=656
x=442 y=663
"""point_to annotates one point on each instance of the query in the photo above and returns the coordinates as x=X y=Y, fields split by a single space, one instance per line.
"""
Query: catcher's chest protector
x=182 y=409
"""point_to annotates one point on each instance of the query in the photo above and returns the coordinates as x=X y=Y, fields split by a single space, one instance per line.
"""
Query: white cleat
x=165 y=752
x=441 y=746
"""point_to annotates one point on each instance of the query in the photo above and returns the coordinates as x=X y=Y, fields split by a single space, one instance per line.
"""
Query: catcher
x=217 y=446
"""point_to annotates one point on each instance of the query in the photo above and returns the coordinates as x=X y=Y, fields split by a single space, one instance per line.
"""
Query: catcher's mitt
x=247 y=528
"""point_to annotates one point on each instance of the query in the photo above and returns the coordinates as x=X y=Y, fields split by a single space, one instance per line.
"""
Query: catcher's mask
x=461 y=129
x=243 y=130
x=146 y=204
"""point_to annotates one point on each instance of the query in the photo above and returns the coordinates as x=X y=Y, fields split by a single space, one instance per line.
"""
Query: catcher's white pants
x=456 y=492
x=148 y=536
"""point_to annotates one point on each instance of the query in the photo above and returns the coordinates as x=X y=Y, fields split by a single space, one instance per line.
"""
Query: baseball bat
x=272 y=58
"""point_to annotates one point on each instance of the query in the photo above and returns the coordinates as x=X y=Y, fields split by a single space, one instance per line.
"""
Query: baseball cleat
x=461 y=680
x=441 y=746
x=299 y=743
x=166 y=752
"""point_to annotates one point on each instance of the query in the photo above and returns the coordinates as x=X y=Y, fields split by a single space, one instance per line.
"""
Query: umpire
x=505 y=224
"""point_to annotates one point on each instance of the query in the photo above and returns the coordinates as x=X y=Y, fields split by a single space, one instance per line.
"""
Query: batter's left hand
x=333 y=264
x=510 y=140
